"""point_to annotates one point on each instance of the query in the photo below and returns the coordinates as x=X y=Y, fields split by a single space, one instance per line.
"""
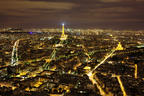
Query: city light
x=94 y=62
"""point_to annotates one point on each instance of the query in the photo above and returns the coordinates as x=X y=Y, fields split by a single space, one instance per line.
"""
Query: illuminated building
x=119 y=47
x=63 y=36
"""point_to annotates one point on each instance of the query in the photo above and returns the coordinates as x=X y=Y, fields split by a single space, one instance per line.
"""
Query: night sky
x=112 y=14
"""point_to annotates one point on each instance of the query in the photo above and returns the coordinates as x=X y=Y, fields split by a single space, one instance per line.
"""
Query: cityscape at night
x=71 y=48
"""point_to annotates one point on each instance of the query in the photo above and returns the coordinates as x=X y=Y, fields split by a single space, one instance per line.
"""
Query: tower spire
x=63 y=29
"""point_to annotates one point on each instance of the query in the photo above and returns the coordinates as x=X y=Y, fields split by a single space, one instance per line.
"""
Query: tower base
x=63 y=37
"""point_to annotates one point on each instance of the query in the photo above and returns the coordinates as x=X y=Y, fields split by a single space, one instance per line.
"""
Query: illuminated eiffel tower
x=119 y=47
x=63 y=36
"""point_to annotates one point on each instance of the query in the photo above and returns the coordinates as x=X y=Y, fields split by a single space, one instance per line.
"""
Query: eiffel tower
x=119 y=47
x=63 y=36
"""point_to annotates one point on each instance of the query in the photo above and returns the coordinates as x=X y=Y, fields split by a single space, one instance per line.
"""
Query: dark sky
x=116 y=14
